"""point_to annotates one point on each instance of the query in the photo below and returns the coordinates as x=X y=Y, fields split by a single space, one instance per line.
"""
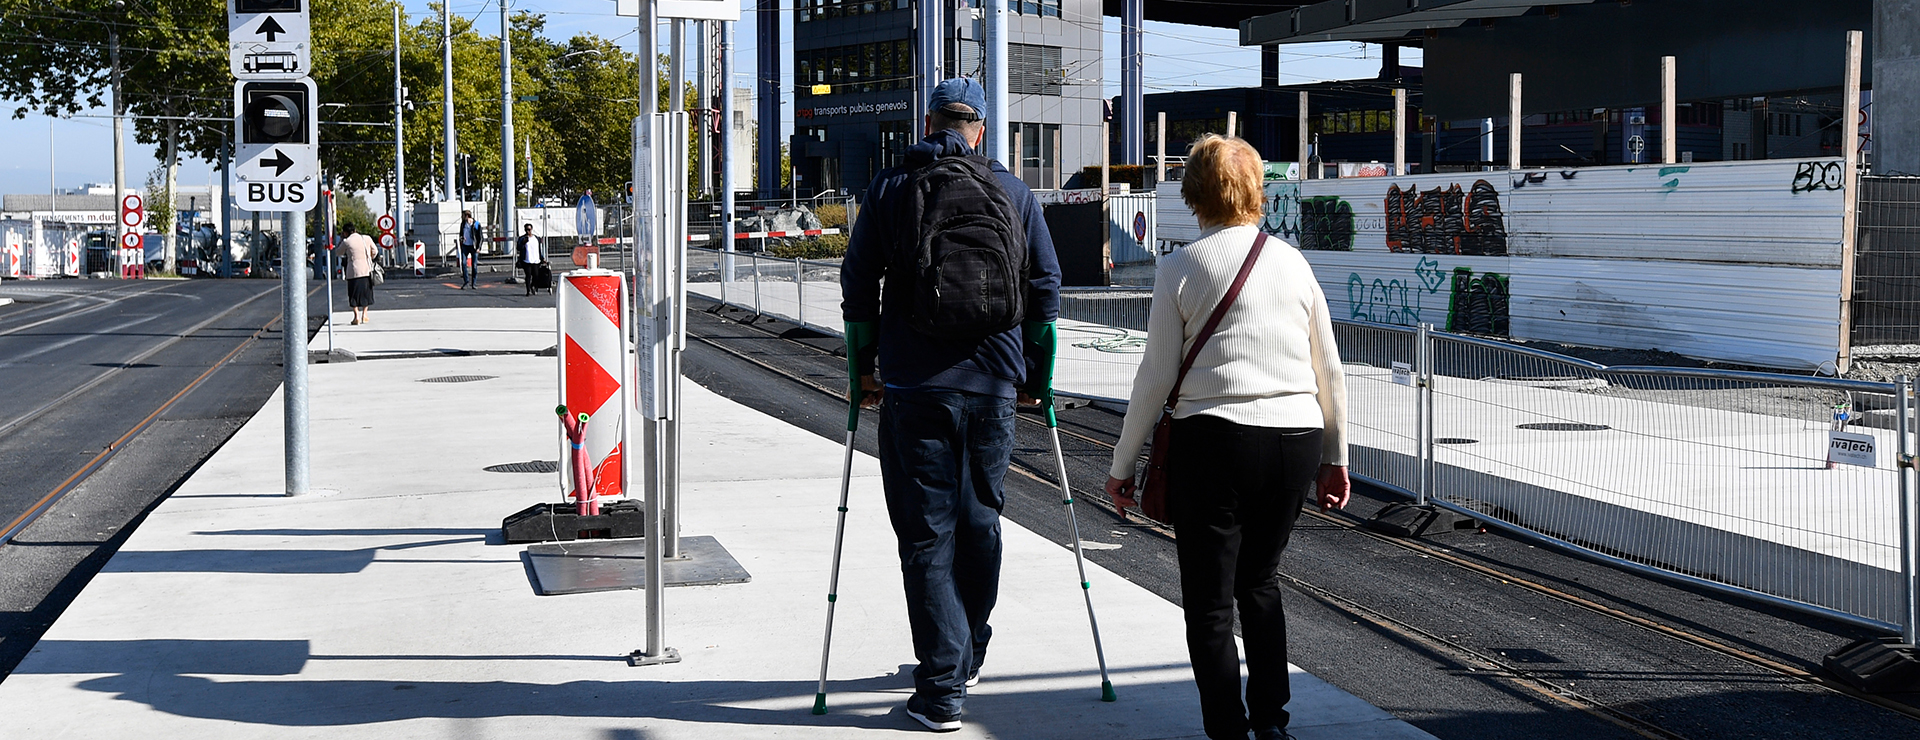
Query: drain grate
x=530 y=466
x=1563 y=426
x=1453 y=441
x=458 y=378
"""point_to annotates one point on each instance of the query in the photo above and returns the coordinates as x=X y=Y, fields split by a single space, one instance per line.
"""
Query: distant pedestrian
x=1259 y=413
x=469 y=251
x=953 y=343
x=356 y=260
x=533 y=257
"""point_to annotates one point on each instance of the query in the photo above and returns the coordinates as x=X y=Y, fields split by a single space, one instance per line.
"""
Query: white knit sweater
x=1271 y=363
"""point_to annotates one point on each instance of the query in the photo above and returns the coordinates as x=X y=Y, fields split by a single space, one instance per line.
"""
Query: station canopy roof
x=1213 y=13
x=1379 y=21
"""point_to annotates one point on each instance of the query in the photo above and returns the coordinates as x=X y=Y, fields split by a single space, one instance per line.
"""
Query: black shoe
x=1272 y=733
x=917 y=709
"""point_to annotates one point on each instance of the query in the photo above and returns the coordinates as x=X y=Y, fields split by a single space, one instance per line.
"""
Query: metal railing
x=1717 y=479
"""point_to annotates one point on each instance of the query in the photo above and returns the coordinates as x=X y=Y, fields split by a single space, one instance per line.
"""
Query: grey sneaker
x=933 y=720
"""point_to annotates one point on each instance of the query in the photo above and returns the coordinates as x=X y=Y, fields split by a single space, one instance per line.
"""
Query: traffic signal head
x=266 y=6
x=276 y=113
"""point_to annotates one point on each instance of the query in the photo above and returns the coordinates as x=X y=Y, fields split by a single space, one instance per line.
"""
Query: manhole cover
x=1453 y=441
x=458 y=378
x=530 y=466
x=1563 y=426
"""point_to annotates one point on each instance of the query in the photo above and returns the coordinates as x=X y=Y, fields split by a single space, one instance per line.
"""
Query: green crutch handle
x=1042 y=341
x=863 y=349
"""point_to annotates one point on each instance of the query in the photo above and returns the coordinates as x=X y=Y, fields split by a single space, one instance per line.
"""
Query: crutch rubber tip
x=820 y=702
x=1106 y=694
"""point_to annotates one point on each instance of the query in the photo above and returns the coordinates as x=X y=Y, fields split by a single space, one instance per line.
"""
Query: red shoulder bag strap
x=1219 y=312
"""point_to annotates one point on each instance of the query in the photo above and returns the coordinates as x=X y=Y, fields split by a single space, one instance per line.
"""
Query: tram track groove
x=25 y=519
x=1349 y=523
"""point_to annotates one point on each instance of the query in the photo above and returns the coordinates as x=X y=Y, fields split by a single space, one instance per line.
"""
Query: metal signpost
x=276 y=158
x=659 y=249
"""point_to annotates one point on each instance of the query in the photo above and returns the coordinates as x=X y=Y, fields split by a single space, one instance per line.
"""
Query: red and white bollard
x=419 y=259
x=10 y=257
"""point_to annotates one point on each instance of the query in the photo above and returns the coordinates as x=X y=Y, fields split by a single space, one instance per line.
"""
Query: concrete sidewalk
x=386 y=607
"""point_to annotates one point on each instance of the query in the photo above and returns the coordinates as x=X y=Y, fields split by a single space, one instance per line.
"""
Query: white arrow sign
x=272 y=45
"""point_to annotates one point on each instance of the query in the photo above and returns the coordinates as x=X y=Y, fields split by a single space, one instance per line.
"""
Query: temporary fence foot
x=1876 y=665
x=1401 y=519
x=639 y=657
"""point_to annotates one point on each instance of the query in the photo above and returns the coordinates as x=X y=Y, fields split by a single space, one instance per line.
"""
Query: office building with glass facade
x=863 y=53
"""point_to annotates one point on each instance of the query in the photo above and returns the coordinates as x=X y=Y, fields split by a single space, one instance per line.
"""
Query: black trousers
x=1234 y=492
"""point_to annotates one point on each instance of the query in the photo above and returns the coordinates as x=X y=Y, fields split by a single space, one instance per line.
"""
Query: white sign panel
x=1403 y=373
x=706 y=10
x=1850 y=448
x=277 y=156
x=268 y=39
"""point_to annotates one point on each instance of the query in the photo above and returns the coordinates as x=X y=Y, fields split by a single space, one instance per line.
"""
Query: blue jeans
x=942 y=457
x=469 y=266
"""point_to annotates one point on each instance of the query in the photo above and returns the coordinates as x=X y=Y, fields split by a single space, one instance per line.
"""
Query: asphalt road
x=112 y=393
x=1461 y=654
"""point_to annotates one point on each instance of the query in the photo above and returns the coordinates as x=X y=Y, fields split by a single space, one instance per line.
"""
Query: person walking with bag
x=959 y=332
x=1242 y=374
x=356 y=261
x=469 y=251
x=533 y=260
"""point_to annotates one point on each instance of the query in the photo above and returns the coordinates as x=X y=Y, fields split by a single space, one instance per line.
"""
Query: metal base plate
x=586 y=566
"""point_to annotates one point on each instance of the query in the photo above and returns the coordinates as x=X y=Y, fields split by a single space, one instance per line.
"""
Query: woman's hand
x=1332 y=487
x=1122 y=492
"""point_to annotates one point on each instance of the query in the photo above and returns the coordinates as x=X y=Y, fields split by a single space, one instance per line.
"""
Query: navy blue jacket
x=993 y=366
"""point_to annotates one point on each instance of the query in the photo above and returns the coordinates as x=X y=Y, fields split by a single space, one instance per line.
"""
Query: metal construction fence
x=1717 y=479
x=1886 y=289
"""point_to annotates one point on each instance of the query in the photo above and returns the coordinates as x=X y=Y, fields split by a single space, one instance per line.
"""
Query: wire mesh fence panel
x=1886 y=278
x=1719 y=476
x=1383 y=439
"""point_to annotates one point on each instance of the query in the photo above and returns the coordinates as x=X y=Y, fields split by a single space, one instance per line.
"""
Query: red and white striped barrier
x=10 y=258
x=72 y=266
x=780 y=234
x=419 y=259
x=592 y=308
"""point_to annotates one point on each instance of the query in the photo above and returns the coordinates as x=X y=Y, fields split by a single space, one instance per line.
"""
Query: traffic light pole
x=293 y=349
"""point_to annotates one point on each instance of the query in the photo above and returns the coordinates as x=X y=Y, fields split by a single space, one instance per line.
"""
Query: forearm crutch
x=1079 y=560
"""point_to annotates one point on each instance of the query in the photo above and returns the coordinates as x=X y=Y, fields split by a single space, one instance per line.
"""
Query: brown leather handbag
x=1153 y=484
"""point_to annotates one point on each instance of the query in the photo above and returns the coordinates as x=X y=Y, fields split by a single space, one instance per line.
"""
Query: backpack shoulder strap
x=1219 y=313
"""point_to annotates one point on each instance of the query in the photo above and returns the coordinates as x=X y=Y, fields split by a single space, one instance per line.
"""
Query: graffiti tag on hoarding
x=1811 y=176
x=1450 y=221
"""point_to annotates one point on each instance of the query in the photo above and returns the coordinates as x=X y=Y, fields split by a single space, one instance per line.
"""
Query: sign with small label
x=1850 y=448
x=1402 y=373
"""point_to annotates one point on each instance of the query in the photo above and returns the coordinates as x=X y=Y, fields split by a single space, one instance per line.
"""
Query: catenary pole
x=726 y=150
x=401 y=226
x=1513 y=121
x=120 y=149
x=1399 y=131
x=1133 y=89
x=446 y=102
x=998 y=118
x=509 y=189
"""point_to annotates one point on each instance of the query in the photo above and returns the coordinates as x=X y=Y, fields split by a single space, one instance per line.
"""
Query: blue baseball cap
x=960 y=91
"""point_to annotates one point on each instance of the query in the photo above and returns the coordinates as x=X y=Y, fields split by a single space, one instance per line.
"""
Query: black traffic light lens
x=275 y=113
x=266 y=6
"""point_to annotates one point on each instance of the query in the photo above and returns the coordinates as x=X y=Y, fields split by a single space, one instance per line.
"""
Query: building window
x=813 y=10
x=1041 y=8
x=895 y=137
x=1034 y=70
x=875 y=67
x=1038 y=162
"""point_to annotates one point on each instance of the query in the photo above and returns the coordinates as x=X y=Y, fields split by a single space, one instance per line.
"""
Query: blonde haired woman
x=1259 y=416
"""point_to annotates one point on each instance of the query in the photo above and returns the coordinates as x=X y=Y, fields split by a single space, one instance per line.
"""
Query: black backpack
x=966 y=251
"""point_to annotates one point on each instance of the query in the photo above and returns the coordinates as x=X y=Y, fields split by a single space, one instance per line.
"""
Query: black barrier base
x=562 y=523
x=1400 y=519
x=1877 y=665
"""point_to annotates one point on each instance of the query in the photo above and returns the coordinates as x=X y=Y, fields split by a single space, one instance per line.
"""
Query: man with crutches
x=966 y=259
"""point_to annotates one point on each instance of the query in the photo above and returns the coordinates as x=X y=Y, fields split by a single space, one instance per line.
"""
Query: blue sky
x=1178 y=58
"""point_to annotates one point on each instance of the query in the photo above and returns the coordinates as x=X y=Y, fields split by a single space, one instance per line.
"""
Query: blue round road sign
x=583 y=216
